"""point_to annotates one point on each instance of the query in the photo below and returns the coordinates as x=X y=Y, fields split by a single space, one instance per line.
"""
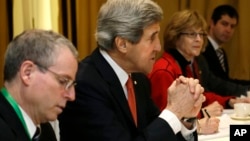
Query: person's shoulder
x=164 y=66
x=164 y=62
x=89 y=64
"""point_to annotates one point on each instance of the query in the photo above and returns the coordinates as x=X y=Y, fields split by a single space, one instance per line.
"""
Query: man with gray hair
x=39 y=73
x=113 y=92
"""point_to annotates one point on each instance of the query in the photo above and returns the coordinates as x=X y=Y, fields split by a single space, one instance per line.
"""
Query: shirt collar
x=29 y=123
x=213 y=42
x=120 y=73
x=180 y=59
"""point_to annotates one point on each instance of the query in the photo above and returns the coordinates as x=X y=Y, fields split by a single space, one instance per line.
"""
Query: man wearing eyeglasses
x=39 y=73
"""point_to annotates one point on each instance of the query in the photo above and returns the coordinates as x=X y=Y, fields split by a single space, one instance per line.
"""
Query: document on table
x=224 y=127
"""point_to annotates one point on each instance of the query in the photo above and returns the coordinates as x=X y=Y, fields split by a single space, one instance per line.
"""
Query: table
x=224 y=127
x=222 y=135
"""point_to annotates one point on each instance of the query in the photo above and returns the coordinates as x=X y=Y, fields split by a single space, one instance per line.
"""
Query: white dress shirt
x=166 y=115
x=29 y=123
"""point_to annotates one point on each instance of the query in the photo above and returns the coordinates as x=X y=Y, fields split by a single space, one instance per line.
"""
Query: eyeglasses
x=65 y=82
x=194 y=35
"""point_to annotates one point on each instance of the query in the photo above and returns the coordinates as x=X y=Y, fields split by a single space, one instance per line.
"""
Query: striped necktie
x=220 y=55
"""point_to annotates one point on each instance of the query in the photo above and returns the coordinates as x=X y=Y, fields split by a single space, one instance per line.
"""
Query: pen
x=207 y=113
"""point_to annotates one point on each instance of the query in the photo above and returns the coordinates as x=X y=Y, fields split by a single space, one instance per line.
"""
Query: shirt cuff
x=176 y=125
x=172 y=120
x=186 y=133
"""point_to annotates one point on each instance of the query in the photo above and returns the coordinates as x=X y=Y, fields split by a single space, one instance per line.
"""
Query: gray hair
x=126 y=19
x=38 y=46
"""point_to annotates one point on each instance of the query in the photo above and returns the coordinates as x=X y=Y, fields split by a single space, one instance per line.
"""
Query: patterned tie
x=196 y=71
x=36 y=136
x=189 y=72
x=131 y=99
x=220 y=55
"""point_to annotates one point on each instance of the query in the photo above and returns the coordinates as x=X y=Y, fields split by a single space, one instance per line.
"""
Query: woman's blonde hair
x=180 y=22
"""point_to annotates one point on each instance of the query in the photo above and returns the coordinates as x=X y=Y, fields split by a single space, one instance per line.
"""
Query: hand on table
x=208 y=125
x=214 y=109
x=185 y=97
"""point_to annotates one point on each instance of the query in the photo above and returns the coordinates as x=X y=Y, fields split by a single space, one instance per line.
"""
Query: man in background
x=221 y=29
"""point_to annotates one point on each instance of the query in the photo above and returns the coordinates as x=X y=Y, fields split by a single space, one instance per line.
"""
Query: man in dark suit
x=39 y=70
x=222 y=25
x=127 y=37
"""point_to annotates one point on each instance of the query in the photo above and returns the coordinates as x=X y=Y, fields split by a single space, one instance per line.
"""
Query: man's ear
x=26 y=69
x=120 y=44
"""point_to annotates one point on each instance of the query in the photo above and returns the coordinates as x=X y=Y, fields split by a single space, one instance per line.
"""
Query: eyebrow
x=154 y=33
x=64 y=75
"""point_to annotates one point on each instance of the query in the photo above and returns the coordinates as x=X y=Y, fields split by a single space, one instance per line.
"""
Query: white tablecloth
x=224 y=127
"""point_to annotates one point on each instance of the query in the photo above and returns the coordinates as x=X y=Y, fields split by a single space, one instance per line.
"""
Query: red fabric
x=164 y=72
x=189 y=71
x=197 y=72
x=131 y=99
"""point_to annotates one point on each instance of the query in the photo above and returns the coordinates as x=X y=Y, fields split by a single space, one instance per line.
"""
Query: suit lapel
x=12 y=119
x=112 y=80
x=212 y=53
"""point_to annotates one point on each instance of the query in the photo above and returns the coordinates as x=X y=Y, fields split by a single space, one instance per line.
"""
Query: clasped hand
x=185 y=97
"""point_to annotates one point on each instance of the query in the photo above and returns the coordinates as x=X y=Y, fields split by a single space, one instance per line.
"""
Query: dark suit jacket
x=214 y=62
x=12 y=128
x=215 y=66
x=215 y=84
x=101 y=112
